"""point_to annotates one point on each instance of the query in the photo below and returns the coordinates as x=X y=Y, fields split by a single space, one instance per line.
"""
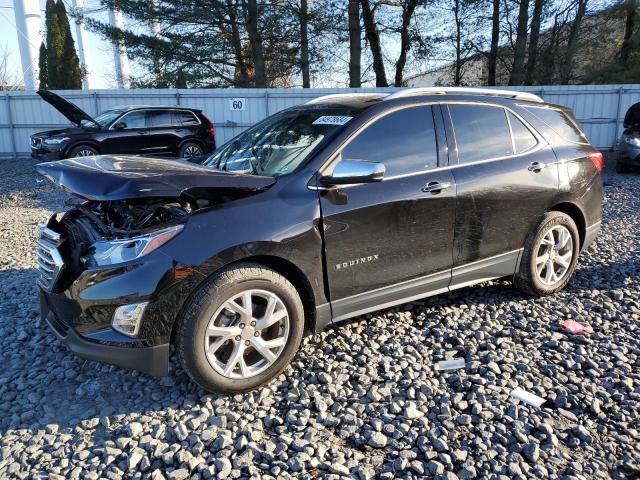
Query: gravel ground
x=360 y=400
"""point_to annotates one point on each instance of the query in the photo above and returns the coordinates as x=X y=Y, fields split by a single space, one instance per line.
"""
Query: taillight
x=212 y=127
x=597 y=159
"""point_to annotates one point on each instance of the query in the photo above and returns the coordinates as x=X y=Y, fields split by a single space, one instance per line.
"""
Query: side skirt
x=498 y=266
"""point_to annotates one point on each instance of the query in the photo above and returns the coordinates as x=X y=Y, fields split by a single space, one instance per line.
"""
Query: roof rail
x=408 y=92
x=337 y=96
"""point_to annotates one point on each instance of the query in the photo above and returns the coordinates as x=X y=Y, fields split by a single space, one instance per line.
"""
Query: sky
x=101 y=51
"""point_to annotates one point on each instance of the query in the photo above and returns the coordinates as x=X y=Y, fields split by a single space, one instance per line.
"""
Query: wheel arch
x=192 y=140
x=80 y=143
x=576 y=215
x=281 y=265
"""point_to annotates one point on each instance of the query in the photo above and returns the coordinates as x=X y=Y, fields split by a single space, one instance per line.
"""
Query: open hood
x=109 y=178
x=66 y=108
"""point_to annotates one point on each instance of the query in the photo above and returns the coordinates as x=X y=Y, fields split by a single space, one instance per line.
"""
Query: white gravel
x=361 y=400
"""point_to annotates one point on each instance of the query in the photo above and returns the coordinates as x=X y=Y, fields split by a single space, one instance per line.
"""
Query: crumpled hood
x=111 y=177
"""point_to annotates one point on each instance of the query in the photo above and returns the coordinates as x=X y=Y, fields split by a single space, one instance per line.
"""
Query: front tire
x=550 y=255
x=82 y=151
x=241 y=329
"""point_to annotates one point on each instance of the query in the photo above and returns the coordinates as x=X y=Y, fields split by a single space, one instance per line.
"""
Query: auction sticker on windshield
x=332 y=120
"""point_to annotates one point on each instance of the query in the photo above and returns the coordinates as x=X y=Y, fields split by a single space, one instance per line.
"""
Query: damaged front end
x=97 y=234
x=108 y=289
x=124 y=208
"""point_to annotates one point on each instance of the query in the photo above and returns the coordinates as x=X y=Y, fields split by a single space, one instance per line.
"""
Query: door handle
x=142 y=133
x=535 y=167
x=435 y=187
x=178 y=129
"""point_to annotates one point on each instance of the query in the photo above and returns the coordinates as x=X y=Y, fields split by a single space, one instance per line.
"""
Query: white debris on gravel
x=361 y=400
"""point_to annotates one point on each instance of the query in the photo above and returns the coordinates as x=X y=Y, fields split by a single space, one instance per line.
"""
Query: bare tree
x=534 y=37
x=566 y=67
x=373 y=38
x=495 y=39
x=627 y=48
x=303 y=15
x=355 y=44
x=408 y=8
x=9 y=79
x=255 y=40
x=520 y=47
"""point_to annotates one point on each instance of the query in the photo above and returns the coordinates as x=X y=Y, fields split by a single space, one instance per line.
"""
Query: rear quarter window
x=184 y=117
x=560 y=122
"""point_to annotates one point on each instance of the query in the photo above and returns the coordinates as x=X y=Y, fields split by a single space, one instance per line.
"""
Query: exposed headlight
x=55 y=140
x=118 y=251
x=635 y=141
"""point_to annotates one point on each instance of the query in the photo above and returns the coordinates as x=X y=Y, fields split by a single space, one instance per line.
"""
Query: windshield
x=105 y=118
x=279 y=144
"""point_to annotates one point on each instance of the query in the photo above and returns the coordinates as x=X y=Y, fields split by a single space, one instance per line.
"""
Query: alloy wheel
x=85 y=153
x=554 y=256
x=247 y=334
x=192 y=151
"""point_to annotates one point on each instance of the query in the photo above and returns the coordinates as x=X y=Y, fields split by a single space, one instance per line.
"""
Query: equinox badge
x=356 y=261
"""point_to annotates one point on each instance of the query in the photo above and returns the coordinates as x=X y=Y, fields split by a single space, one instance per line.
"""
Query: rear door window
x=560 y=122
x=523 y=139
x=159 y=118
x=481 y=132
x=404 y=141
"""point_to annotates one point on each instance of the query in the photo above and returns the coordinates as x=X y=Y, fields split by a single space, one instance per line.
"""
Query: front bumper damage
x=152 y=360
x=79 y=310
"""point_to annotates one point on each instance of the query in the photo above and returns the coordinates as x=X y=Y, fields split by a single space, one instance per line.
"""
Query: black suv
x=143 y=130
x=325 y=211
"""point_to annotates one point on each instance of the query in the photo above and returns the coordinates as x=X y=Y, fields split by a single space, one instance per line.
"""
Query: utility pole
x=120 y=58
x=29 y=27
x=83 y=47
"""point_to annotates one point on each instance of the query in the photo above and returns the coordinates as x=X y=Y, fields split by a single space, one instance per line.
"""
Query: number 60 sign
x=237 y=104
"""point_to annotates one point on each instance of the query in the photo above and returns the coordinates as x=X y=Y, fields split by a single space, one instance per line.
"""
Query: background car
x=629 y=143
x=143 y=130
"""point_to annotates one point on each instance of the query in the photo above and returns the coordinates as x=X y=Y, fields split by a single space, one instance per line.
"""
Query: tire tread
x=234 y=273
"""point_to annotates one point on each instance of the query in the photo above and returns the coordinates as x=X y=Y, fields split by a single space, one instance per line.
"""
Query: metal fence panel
x=599 y=108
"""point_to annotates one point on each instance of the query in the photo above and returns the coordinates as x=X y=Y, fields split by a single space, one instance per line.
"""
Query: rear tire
x=225 y=346
x=82 y=151
x=191 y=150
x=621 y=168
x=550 y=255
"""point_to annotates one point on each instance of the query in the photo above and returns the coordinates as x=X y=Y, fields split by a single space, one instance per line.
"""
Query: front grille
x=36 y=142
x=48 y=257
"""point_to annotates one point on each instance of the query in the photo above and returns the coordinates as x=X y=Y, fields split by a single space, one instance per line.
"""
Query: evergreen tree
x=181 y=79
x=62 y=63
x=71 y=73
x=43 y=66
x=54 y=44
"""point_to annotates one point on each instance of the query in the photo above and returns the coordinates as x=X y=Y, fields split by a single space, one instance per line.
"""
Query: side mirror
x=120 y=126
x=348 y=172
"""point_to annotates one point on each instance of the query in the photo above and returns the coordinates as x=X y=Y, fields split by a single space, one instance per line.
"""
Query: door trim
x=486 y=269
x=490 y=268
x=391 y=295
